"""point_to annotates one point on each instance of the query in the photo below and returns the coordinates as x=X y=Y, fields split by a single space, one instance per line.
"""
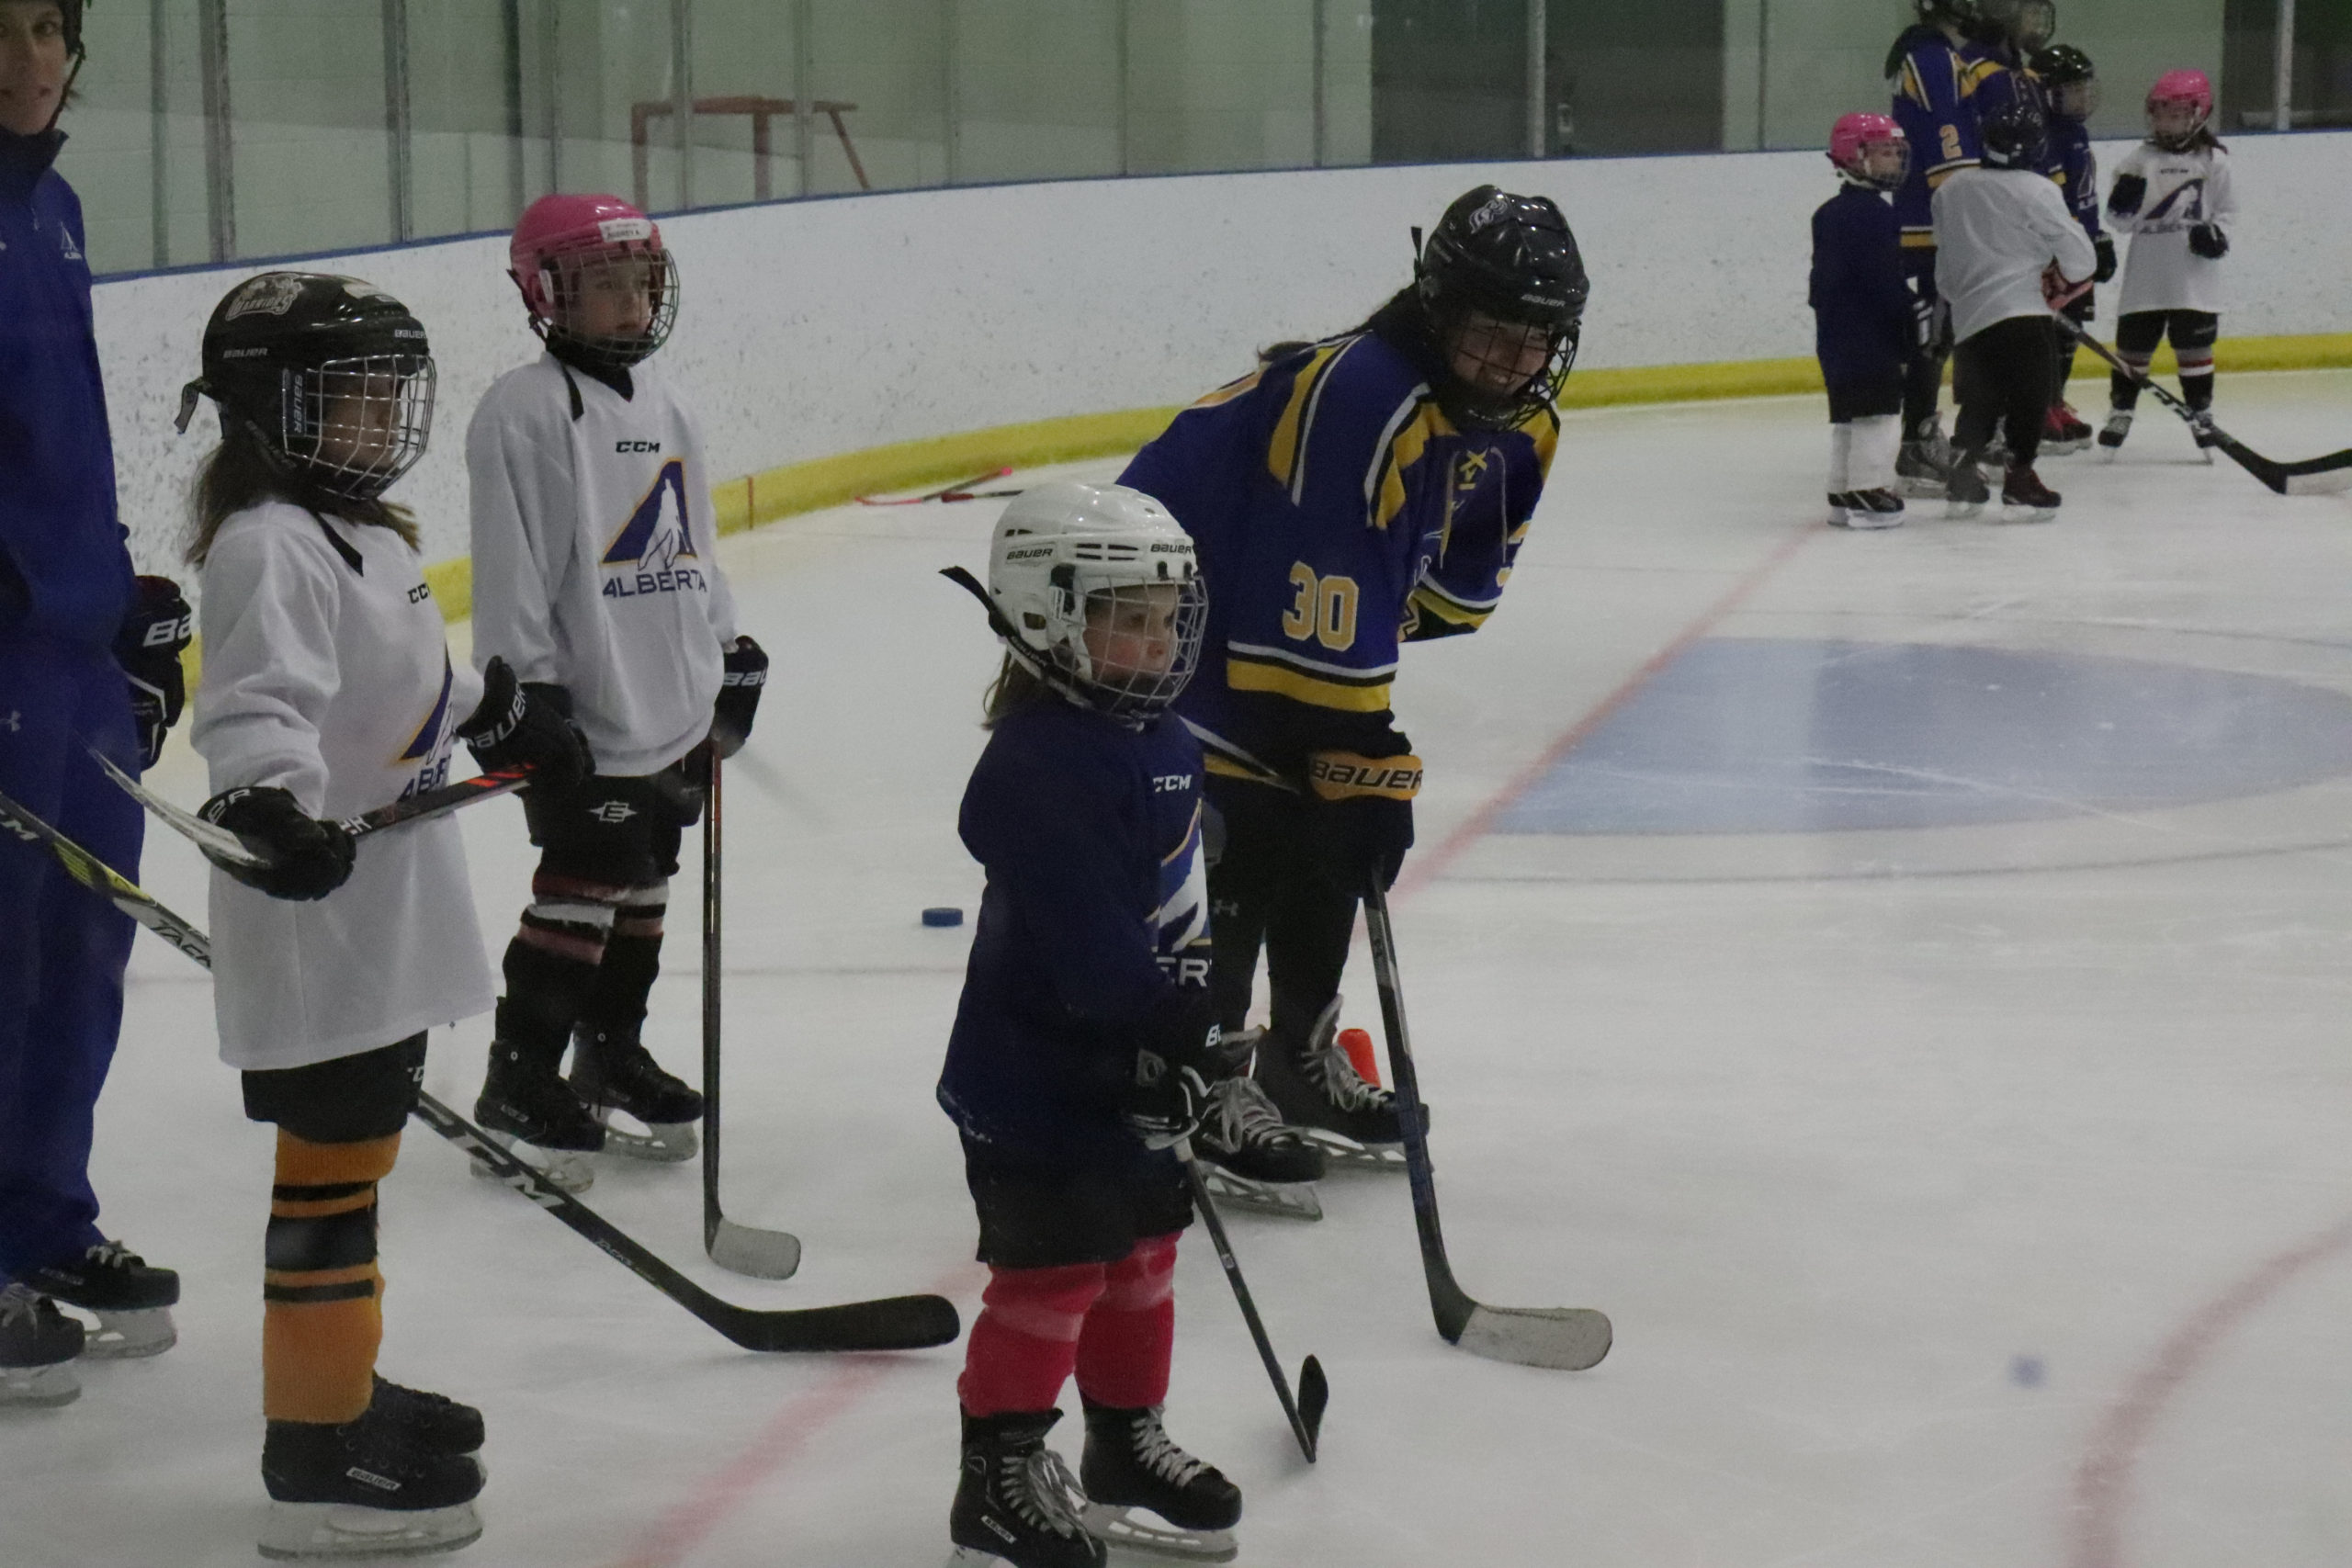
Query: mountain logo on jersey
x=657 y=539
x=430 y=744
x=1182 y=919
x=2189 y=196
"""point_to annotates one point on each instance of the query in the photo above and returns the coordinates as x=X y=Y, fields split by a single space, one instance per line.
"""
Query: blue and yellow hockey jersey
x=1936 y=84
x=1339 y=514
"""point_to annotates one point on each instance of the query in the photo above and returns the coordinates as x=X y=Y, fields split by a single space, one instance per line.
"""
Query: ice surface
x=1973 y=1193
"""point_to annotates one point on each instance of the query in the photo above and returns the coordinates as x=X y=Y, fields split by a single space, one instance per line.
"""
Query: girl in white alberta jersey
x=597 y=577
x=328 y=690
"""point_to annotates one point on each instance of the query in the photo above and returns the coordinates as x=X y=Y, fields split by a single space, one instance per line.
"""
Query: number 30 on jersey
x=1324 y=610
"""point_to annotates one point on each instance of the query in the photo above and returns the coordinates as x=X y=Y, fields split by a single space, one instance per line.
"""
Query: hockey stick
x=1571 y=1338
x=742 y=1249
x=2330 y=475
x=221 y=845
x=959 y=490
x=1305 y=1412
x=893 y=1323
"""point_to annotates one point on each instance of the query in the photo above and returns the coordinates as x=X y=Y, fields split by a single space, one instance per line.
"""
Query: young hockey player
x=2173 y=196
x=595 y=577
x=328 y=690
x=1868 y=325
x=2071 y=83
x=1086 y=1040
x=2007 y=250
x=89 y=659
x=1350 y=496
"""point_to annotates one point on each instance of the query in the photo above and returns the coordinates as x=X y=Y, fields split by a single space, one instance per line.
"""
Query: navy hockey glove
x=527 y=727
x=2210 y=241
x=2105 y=246
x=1177 y=1057
x=2130 y=191
x=306 y=858
x=739 y=696
x=1361 y=821
x=148 y=647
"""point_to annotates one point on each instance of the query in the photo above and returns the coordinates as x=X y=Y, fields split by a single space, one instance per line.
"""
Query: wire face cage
x=1135 y=645
x=358 y=425
x=618 y=306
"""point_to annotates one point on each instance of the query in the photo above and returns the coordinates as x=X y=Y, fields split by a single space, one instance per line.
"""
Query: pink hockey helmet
x=2188 y=95
x=1856 y=138
x=567 y=247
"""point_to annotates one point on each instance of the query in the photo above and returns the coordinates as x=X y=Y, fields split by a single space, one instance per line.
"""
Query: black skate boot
x=2021 y=488
x=367 y=1489
x=1017 y=1502
x=38 y=1344
x=132 y=1302
x=2200 y=426
x=1923 y=468
x=1967 y=490
x=613 y=1072
x=1866 y=509
x=1318 y=1092
x=1130 y=1462
x=530 y=1112
x=2112 y=434
x=433 y=1421
x=1250 y=1157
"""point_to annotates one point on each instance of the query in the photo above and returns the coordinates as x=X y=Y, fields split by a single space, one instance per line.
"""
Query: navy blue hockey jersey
x=1097 y=903
x=2075 y=168
x=1936 y=85
x=1339 y=514
x=1863 y=326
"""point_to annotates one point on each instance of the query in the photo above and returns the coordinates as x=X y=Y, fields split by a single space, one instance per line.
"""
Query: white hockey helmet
x=1070 y=558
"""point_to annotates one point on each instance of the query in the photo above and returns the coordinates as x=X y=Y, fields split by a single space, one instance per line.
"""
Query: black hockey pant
x=1268 y=889
x=2193 y=334
x=2010 y=367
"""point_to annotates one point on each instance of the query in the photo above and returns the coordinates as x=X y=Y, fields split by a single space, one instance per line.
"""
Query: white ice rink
x=1944 y=1086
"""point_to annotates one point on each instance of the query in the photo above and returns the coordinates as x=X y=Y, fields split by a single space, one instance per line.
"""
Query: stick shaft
x=1232 y=1266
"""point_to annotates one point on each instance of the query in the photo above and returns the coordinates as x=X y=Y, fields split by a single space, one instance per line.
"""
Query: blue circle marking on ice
x=942 y=915
x=1760 y=735
x=2027 y=1371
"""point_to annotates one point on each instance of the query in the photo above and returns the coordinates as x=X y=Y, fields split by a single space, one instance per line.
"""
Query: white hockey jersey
x=596 y=560
x=2184 y=189
x=1995 y=230
x=326 y=674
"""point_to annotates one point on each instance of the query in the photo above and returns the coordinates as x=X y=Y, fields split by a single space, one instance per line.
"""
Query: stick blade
x=753 y=1253
x=893 y=1323
x=2321 y=476
x=1565 y=1338
x=1313 y=1396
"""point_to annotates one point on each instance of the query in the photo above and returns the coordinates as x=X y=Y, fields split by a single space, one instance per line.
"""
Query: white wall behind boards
x=809 y=329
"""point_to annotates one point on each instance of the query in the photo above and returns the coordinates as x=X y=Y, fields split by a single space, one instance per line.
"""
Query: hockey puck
x=942 y=915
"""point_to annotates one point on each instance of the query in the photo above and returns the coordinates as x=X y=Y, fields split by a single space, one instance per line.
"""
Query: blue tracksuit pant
x=62 y=946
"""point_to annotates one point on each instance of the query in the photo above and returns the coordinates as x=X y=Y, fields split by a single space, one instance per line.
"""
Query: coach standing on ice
x=89 y=658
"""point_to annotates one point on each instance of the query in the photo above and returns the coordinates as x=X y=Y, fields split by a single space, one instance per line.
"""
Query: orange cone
x=1357 y=1044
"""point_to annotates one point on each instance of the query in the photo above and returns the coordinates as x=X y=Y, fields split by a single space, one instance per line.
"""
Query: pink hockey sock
x=1022 y=1349
x=1124 y=1350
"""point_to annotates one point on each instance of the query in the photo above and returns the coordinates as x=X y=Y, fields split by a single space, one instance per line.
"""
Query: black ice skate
x=613 y=1074
x=1129 y=1463
x=1017 y=1502
x=2200 y=425
x=1250 y=1157
x=531 y=1112
x=1967 y=490
x=434 y=1422
x=38 y=1344
x=2027 y=499
x=132 y=1301
x=1316 y=1090
x=368 y=1489
x=1922 y=468
x=2111 y=434
x=1865 y=509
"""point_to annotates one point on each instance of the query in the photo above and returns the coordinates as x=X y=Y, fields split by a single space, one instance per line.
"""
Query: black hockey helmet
x=2026 y=24
x=2013 y=133
x=1936 y=12
x=1514 y=260
x=2070 y=78
x=332 y=376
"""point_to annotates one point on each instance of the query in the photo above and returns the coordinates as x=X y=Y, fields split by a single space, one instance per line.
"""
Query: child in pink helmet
x=2173 y=196
x=1868 y=325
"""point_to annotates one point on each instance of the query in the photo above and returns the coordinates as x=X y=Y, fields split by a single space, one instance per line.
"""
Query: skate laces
x=1246 y=1113
x=19 y=1304
x=1043 y=1492
x=114 y=1255
x=1160 y=1453
x=1338 y=1078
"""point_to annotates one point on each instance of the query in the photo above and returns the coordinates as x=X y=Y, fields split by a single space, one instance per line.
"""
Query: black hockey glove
x=2130 y=191
x=739 y=696
x=527 y=727
x=2210 y=241
x=1360 y=822
x=1176 y=1060
x=1923 y=325
x=308 y=858
x=148 y=647
x=2105 y=246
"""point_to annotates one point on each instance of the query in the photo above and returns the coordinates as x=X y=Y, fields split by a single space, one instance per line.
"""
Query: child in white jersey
x=2173 y=196
x=597 y=577
x=328 y=690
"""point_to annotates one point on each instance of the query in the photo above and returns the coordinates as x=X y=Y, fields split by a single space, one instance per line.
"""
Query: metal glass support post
x=1322 y=128
x=1539 y=145
x=159 y=82
x=1123 y=22
x=1763 y=73
x=682 y=96
x=219 y=146
x=951 y=107
x=804 y=90
x=509 y=20
x=396 y=121
x=2283 y=93
x=550 y=79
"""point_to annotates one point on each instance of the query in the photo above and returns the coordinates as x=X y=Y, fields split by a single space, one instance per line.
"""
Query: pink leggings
x=1112 y=1323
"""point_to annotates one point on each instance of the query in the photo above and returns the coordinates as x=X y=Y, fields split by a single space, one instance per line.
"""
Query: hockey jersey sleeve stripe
x=1227 y=393
x=1280 y=681
x=1222 y=757
x=1401 y=453
x=1428 y=600
x=1286 y=451
x=1384 y=451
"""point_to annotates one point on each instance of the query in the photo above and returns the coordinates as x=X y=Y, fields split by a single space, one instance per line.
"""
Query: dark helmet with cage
x=331 y=375
x=2024 y=25
x=1500 y=277
x=596 y=278
x=2013 y=133
x=2070 y=80
x=1947 y=13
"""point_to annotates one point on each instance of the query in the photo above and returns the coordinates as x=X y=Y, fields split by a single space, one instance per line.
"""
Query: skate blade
x=2027 y=514
x=340 y=1531
x=44 y=1388
x=1963 y=508
x=1346 y=1154
x=1870 y=522
x=661 y=1142
x=1288 y=1201
x=1118 y=1528
x=564 y=1168
x=2064 y=448
x=1919 y=489
x=126 y=1336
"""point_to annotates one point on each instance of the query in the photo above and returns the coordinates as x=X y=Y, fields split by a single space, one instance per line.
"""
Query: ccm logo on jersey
x=637 y=446
x=1337 y=776
x=1170 y=784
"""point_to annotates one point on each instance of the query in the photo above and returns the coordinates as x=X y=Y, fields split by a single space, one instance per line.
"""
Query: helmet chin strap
x=1023 y=654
